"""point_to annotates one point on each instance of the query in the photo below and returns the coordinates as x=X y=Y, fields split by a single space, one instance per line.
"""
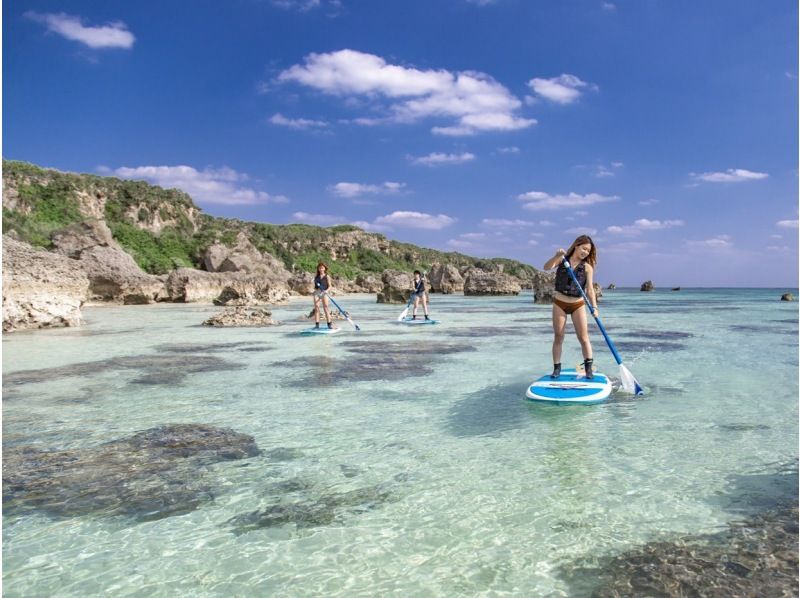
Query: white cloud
x=318 y=219
x=349 y=190
x=473 y=236
x=477 y=102
x=460 y=244
x=608 y=6
x=505 y=223
x=732 y=175
x=648 y=202
x=539 y=200
x=642 y=225
x=786 y=223
x=307 y=5
x=718 y=242
x=420 y=220
x=296 y=123
x=222 y=186
x=564 y=89
x=436 y=159
x=112 y=35
x=508 y=150
x=580 y=230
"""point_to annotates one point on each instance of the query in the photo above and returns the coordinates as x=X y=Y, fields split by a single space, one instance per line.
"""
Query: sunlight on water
x=396 y=459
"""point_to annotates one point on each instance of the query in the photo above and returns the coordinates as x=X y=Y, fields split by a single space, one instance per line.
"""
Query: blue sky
x=666 y=129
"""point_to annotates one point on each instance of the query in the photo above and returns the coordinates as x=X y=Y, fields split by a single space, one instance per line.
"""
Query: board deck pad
x=321 y=330
x=571 y=387
x=418 y=321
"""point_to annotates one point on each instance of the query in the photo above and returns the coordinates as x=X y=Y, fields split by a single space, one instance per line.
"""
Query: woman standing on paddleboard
x=322 y=285
x=568 y=300
x=419 y=295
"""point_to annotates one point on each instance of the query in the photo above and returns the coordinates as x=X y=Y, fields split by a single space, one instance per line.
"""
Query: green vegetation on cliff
x=163 y=229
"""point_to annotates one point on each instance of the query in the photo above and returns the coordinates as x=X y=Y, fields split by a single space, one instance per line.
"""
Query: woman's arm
x=555 y=260
x=590 y=288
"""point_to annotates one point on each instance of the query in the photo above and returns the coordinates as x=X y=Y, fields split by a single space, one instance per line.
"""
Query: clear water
x=484 y=493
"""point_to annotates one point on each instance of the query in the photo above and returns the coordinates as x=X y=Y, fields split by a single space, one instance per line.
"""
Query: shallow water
x=401 y=459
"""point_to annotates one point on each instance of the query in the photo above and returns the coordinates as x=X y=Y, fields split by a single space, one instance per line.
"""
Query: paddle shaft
x=343 y=312
x=611 y=346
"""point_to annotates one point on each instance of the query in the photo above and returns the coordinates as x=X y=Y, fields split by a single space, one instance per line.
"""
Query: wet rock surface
x=153 y=474
x=242 y=316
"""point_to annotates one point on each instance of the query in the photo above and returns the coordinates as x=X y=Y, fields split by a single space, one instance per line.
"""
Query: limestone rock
x=446 y=279
x=242 y=316
x=647 y=286
x=397 y=287
x=611 y=287
x=787 y=297
x=301 y=283
x=544 y=287
x=598 y=290
x=40 y=289
x=481 y=282
x=186 y=285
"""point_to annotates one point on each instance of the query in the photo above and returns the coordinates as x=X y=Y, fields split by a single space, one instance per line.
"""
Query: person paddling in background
x=419 y=295
x=322 y=285
x=568 y=301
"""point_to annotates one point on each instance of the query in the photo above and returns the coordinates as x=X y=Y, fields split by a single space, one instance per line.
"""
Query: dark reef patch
x=491 y=410
x=487 y=331
x=151 y=475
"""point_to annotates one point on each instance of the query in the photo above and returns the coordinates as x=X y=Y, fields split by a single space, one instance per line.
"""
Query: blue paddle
x=629 y=383
x=343 y=312
x=408 y=306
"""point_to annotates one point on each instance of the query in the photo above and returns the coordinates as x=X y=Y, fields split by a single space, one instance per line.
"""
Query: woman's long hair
x=591 y=259
x=321 y=265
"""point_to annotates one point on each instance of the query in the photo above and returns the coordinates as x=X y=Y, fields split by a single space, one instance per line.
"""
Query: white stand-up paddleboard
x=570 y=388
x=325 y=330
x=417 y=322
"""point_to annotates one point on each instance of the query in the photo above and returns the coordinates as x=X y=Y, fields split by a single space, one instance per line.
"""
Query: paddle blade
x=402 y=315
x=629 y=383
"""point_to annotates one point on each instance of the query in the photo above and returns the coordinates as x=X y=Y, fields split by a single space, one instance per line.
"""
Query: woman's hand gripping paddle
x=343 y=312
x=629 y=383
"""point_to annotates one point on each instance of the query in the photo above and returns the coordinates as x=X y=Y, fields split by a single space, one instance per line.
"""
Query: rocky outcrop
x=787 y=297
x=186 y=285
x=446 y=279
x=397 y=287
x=598 y=290
x=244 y=257
x=242 y=316
x=368 y=284
x=40 y=289
x=544 y=286
x=647 y=286
x=113 y=274
x=481 y=282
x=301 y=283
x=611 y=287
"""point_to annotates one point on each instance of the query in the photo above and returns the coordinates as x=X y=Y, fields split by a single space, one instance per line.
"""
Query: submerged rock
x=787 y=297
x=150 y=475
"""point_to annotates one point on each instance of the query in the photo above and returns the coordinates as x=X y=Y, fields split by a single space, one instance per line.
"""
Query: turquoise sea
x=395 y=461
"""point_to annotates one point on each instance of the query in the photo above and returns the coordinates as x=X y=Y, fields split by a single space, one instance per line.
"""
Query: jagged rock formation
x=186 y=285
x=40 y=289
x=446 y=279
x=481 y=282
x=242 y=316
x=647 y=286
x=397 y=287
x=787 y=297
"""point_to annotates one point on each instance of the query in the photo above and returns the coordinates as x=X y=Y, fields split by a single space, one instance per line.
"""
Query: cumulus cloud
x=112 y=35
x=539 y=200
x=718 y=242
x=564 y=89
x=296 y=123
x=318 y=219
x=351 y=190
x=508 y=150
x=648 y=202
x=438 y=159
x=420 y=220
x=475 y=101
x=217 y=186
x=732 y=175
x=786 y=223
x=644 y=225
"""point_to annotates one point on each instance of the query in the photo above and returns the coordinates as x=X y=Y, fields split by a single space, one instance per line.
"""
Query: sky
x=667 y=130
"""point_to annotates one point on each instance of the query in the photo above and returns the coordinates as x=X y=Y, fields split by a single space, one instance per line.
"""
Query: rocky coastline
x=71 y=240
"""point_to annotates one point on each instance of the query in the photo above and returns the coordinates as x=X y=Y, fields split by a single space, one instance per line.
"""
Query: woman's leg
x=559 y=325
x=425 y=303
x=316 y=309
x=416 y=302
x=326 y=308
x=579 y=320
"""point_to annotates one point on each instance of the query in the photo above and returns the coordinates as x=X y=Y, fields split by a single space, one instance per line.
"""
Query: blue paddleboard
x=325 y=330
x=417 y=322
x=570 y=388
